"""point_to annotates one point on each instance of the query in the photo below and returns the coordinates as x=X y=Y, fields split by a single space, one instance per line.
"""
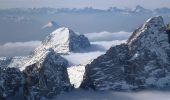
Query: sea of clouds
x=94 y=95
x=18 y=48
x=100 y=43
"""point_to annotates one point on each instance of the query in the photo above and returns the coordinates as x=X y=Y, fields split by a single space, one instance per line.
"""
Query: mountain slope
x=143 y=62
x=46 y=77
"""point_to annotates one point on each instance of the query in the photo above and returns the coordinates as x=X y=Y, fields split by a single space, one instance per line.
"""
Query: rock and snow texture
x=13 y=62
x=64 y=40
x=142 y=62
x=47 y=76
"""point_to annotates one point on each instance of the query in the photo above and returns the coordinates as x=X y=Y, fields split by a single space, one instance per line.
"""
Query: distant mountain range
x=29 y=24
x=137 y=9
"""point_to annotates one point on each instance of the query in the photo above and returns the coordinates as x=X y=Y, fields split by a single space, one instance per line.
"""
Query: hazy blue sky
x=84 y=3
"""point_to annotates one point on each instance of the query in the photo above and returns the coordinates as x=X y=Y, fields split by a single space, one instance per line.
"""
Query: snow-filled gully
x=76 y=75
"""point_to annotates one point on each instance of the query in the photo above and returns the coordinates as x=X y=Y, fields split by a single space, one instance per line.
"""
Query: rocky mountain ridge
x=142 y=63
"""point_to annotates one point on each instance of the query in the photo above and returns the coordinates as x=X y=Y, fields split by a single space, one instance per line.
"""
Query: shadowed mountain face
x=143 y=62
x=168 y=31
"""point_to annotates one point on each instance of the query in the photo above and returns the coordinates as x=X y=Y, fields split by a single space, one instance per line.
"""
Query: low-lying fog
x=92 y=95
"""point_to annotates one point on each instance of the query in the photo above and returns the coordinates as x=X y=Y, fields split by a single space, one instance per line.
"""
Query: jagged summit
x=64 y=40
x=142 y=63
x=154 y=27
x=152 y=36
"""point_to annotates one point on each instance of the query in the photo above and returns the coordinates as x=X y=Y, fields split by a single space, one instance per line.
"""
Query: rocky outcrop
x=11 y=81
x=142 y=63
x=46 y=76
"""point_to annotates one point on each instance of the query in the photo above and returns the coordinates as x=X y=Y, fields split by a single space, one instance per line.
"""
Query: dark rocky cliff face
x=47 y=77
x=168 y=31
x=44 y=76
x=11 y=80
x=143 y=62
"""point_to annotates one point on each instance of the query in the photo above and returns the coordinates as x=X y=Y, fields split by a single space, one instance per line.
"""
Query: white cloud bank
x=82 y=58
x=108 y=36
x=18 y=48
x=97 y=48
x=101 y=42
x=92 y=95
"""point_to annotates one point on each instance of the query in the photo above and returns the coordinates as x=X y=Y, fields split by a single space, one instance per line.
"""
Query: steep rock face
x=107 y=70
x=64 y=40
x=143 y=62
x=11 y=80
x=46 y=76
x=168 y=31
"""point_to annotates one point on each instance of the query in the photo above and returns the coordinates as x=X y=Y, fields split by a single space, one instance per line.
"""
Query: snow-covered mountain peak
x=58 y=36
x=155 y=22
x=64 y=40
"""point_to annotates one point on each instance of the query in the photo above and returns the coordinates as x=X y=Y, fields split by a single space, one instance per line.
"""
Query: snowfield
x=76 y=75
